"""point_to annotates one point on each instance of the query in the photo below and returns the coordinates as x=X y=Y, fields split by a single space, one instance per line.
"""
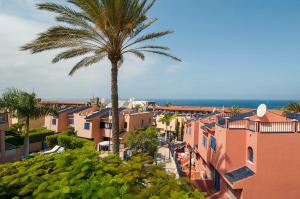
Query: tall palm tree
x=167 y=119
x=24 y=106
x=293 y=107
x=97 y=29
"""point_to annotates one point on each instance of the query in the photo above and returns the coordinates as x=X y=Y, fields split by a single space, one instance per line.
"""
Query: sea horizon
x=242 y=103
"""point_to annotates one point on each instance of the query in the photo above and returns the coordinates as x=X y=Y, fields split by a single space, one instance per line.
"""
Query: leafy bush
x=51 y=140
x=69 y=142
x=80 y=173
x=71 y=131
x=35 y=135
x=143 y=140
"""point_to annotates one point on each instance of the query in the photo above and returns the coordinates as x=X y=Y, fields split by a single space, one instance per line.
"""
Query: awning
x=239 y=174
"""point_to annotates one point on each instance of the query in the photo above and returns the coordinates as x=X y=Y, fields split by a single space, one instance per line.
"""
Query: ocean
x=271 y=104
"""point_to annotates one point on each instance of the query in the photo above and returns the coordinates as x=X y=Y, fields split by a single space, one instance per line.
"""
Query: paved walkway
x=170 y=165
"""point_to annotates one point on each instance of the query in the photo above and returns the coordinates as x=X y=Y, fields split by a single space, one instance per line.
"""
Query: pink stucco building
x=96 y=125
x=244 y=156
x=64 y=119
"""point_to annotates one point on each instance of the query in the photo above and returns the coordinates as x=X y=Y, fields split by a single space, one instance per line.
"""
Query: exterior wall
x=48 y=123
x=62 y=122
x=33 y=123
x=2 y=146
x=173 y=124
x=4 y=124
x=79 y=126
x=192 y=133
x=278 y=164
x=134 y=121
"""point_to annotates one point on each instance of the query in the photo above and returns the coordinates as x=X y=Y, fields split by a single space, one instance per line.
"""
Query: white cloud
x=36 y=72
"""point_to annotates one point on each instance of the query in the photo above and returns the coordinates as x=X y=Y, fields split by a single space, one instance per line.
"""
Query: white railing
x=238 y=124
x=276 y=127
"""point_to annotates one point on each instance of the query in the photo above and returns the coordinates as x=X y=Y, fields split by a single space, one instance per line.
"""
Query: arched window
x=250 y=154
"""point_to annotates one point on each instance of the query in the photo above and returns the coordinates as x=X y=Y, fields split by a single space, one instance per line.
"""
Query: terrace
x=245 y=121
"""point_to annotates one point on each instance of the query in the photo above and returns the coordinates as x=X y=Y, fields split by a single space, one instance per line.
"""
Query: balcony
x=257 y=126
x=276 y=127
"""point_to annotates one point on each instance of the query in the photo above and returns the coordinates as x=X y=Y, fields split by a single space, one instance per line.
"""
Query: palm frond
x=153 y=47
x=150 y=36
x=87 y=61
x=162 y=53
x=73 y=52
x=136 y=53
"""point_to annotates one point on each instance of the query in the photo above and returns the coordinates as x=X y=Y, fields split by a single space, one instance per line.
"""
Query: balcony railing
x=238 y=124
x=276 y=127
x=263 y=127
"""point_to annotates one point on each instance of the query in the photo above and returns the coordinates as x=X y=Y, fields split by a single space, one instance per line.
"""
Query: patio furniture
x=60 y=150
x=53 y=150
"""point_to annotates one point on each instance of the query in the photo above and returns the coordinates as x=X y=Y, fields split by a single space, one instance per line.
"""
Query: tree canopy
x=143 y=140
x=80 y=173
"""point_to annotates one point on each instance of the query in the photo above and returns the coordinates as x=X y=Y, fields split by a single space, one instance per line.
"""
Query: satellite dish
x=261 y=110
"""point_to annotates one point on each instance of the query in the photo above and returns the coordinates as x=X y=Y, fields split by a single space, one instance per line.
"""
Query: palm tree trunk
x=26 y=139
x=115 y=107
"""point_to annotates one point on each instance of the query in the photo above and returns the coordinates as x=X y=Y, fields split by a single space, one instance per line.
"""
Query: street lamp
x=191 y=150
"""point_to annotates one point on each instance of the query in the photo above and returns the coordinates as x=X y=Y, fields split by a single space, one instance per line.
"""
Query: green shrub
x=51 y=140
x=35 y=135
x=69 y=142
x=80 y=173
x=71 y=131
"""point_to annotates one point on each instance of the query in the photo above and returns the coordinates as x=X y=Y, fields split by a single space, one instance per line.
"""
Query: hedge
x=69 y=142
x=35 y=135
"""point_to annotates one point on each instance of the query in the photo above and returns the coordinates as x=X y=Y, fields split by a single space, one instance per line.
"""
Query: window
x=250 y=154
x=125 y=125
x=71 y=121
x=86 y=126
x=204 y=141
x=108 y=125
x=53 y=121
x=142 y=122
x=213 y=143
x=102 y=125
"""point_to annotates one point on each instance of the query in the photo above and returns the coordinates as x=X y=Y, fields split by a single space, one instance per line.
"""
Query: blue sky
x=233 y=49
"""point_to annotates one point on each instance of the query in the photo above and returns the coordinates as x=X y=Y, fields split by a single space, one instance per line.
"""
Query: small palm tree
x=167 y=119
x=24 y=106
x=235 y=110
x=97 y=29
x=293 y=107
x=138 y=106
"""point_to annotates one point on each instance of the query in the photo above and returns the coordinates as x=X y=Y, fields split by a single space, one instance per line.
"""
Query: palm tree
x=97 y=29
x=24 y=106
x=235 y=110
x=167 y=119
x=293 y=107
